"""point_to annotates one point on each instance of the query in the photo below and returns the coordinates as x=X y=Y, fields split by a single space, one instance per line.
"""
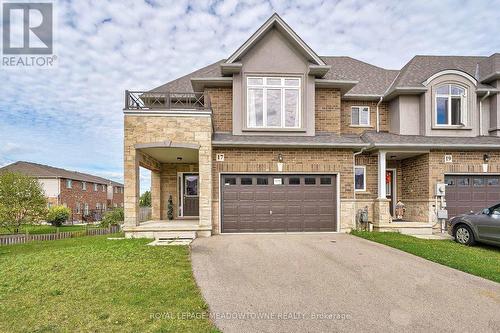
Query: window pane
x=364 y=116
x=255 y=81
x=355 y=116
x=230 y=181
x=262 y=181
x=463 y=181
x=291 y=108
x=455 y=110
x=325 y=180
x=442 y=110
x=191 y=185
x=292 y=82
x=294 y=181
x=493 y=181
x=449 y=181
x=310 y=180
x=278 y=181
x=457 y=90
x=478 y=182
x=273 y=82
x=246 y=181
x=443 y=90
x=255 y=107
x=273 y=107
x=359 y=178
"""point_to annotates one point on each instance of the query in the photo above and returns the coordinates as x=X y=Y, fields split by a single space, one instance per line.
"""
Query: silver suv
x=483 y=227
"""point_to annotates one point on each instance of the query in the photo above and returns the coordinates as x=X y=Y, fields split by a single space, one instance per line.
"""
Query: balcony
x=166 y=100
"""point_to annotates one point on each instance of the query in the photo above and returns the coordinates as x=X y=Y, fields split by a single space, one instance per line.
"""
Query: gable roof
x=367 y=81
x=45 y=171
x=276 y=21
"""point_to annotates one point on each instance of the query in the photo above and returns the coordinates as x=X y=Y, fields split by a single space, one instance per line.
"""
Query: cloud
x=71 y=116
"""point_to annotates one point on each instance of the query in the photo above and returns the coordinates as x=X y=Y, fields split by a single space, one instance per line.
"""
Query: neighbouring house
x=86 y=195
x=276 y=138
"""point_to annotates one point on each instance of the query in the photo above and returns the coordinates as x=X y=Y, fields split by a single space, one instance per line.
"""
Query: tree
x=145 y=199
x=57 y=215
x=22 y=201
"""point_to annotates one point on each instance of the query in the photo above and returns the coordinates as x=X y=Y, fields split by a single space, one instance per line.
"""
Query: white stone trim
x=452 y=72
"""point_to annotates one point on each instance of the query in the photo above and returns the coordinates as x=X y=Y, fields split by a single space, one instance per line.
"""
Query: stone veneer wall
x=221 y=100
x=345 y=116
x=148 y=129
x=327 y=110
x=295 y=160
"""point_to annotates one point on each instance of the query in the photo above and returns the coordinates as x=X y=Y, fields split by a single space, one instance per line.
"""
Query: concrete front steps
x=168 y=230
x=406 y=228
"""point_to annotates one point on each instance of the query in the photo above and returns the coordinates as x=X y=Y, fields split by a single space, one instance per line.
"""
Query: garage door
x=278 y=203
x=471 y=192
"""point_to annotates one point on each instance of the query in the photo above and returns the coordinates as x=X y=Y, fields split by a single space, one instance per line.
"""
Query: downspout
x=378 y=116
x=481 y=112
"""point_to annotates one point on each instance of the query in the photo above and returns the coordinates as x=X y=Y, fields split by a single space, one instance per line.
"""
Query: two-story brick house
x=87 y=196
x=278 y=139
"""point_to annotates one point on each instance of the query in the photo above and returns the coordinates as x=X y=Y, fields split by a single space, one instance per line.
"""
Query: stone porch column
x=131 y=191
x=381 y=212
x=156 y=195
x=205 y=182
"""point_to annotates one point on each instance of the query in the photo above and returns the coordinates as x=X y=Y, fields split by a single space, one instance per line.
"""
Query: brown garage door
x=465 y=193
x=278 y=203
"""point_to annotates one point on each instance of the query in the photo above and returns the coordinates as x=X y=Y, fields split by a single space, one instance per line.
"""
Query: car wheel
x=464 y=235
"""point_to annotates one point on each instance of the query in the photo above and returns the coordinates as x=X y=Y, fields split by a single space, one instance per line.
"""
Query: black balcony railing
x=167 y=100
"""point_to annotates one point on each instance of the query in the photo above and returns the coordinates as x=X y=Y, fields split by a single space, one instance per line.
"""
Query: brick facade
x=75 y=195
x=250 y=160
x=345 y=116
x=327 y=110
x=221 y=100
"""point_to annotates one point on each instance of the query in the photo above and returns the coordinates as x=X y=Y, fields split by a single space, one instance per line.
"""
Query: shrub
x=170 y=208
x=57 y=215
x=112 y=217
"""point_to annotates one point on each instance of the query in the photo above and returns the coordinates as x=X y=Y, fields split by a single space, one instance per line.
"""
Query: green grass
x=45 y=229
x=93 y=284
x=480 y=260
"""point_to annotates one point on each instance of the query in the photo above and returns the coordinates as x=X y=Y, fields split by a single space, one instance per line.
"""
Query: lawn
x=93 y=284
x=45 y=229
x=480 y=260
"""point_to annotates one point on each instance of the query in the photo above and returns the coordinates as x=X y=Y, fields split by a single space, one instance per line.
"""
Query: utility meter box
x=440 y=189
x=442 y=214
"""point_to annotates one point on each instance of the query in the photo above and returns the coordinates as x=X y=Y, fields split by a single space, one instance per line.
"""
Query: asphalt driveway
x=336 y=282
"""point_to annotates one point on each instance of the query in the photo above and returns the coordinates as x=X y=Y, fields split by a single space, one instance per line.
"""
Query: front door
x=389 y=189
x=190 y=200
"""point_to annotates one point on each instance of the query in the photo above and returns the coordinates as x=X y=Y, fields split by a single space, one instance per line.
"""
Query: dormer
x=274 y=75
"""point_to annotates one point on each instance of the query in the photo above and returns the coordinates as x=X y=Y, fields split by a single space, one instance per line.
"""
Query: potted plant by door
x=170 y=208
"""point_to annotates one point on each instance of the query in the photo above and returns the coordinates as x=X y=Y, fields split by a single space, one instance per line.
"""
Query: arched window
x=451 y=105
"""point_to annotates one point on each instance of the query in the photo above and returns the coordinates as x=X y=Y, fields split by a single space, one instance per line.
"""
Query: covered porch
x=180 y=192
x=404 y=200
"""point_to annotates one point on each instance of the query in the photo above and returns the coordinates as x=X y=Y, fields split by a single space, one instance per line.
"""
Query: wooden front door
x=190 y=200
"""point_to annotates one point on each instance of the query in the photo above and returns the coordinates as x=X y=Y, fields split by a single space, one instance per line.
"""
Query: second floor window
x=451 y=101
x=69 y=183
x=360 y=116
x=273 y=102
x=95 y=187
x=84 y=186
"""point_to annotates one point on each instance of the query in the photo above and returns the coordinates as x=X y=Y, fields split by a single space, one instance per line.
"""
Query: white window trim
x=84 y=186
x=95 y=188
x=283 y=88
x=364 y=178
x=359 y=109
x=69 y=183
x=463 y=106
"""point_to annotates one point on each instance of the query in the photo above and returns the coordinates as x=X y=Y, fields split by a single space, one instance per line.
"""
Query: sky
x=70 y=116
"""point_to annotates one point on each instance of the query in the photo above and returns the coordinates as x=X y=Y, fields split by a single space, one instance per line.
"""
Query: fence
x=144 y=214
x=25 y=238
